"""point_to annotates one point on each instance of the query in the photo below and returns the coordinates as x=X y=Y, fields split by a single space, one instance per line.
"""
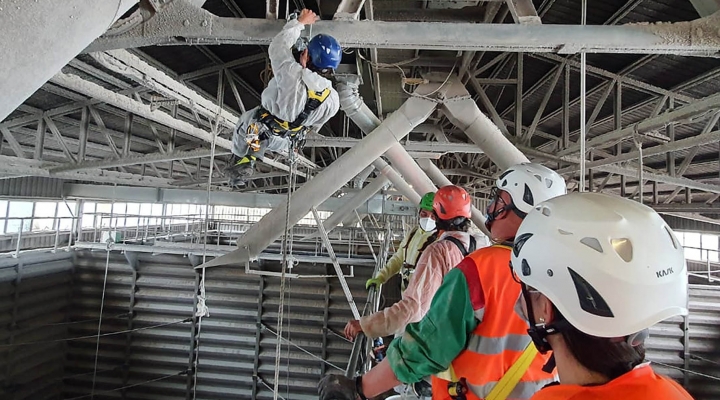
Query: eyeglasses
x=500 y=204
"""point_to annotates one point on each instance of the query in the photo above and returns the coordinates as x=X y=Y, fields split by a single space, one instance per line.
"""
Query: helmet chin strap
x=539 y=331
x=491 y=216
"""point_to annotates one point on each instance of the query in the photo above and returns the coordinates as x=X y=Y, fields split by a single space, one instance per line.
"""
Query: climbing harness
x=294 y=130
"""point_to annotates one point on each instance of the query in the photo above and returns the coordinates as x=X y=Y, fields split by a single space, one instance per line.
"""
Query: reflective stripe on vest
x=501 y=336
x=496 y=345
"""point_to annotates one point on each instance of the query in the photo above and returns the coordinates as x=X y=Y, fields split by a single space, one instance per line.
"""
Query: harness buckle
x=458 y=390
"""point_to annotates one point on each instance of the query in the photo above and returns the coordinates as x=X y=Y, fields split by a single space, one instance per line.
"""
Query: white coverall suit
x=285 y=96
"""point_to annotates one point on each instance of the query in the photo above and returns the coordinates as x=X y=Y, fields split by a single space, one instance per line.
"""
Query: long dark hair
x=449 y=225
x=609 y=357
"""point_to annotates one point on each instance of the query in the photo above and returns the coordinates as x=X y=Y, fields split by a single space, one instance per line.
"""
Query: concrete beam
x=134 y=160
x=650 y=124
x=180 y=23
x=96 y=91
x=315 y=140
x=687 y=208
x=54 y=30
x=349 y=10
x=692 y=141
x=374 y=205
x=14 y=167
x=523 y=12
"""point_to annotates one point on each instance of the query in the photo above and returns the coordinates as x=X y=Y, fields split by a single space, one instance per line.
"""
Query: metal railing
x=363 y=345
x=712 y=272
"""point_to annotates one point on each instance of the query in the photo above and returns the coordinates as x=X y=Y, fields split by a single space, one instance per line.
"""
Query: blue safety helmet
x=324 y=51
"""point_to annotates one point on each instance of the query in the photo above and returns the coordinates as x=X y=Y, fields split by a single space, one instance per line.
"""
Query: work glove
x=337 y=387
x=373 y=282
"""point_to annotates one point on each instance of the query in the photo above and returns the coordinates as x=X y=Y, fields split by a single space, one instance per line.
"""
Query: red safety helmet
x=452 y=202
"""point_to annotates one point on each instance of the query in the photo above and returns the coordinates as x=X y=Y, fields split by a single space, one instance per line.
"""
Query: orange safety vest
x=642 y=383
x=501 y=336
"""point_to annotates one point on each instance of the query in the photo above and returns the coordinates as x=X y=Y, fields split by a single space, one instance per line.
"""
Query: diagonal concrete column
x=413 y=112
x=54 y=31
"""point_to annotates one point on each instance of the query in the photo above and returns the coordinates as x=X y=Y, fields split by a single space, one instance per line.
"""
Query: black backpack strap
x=473 y=243
x=459 y=245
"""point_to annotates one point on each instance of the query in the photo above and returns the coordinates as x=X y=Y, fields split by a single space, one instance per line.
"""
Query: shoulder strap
x=473 y=243
x=429 y=241
x=314 y=100
x=507 y=383
x=459 y=245
x=407 y=242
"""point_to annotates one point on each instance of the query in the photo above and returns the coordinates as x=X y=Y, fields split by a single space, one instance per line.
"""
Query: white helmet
x=610 y=265
x=530 y=184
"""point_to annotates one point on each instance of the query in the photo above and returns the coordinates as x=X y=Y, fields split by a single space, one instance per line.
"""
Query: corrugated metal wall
x=704 y=342
x=684 y=224
x=50 y=303
x=32 y=186
x=162 y=291
x=35 y=293
x=666 y=344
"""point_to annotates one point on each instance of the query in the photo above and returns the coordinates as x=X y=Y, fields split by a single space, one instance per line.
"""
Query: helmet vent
x=592 y=243
x=520 y=242
x=672 y=237
x=590 y=300
x=528 y=196
x=545 y=211
x=623 y=248
x=525 y=268
x=562 y=232
x=504 y=174
x=548 y=183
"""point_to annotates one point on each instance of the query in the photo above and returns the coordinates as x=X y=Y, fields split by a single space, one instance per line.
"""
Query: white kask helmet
x=611 y=266
x=530 y=184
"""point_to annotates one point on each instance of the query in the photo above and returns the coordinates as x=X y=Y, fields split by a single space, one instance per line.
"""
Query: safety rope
x=102 y=305
x=201 y=309
x=102 y=298
x=286 y=258
x=638 y=144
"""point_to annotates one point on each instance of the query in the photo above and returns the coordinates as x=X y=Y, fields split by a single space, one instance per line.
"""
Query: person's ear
x=543 y=308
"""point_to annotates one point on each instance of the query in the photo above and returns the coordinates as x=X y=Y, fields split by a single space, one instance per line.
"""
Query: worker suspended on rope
x=298 y=98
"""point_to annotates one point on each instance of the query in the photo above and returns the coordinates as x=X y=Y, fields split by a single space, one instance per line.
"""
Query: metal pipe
x=466 y=115
x=478 y=218
x=356 y=109
x=356 y=201
x=699 y=37
x=57 y=30
x=583 y=103
x=398 y=182
x=413 y=112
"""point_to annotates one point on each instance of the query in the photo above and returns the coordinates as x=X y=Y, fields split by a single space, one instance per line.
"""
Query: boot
x=240 y=170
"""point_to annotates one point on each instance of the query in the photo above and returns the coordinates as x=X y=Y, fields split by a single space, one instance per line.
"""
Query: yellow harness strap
x=507 y=383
